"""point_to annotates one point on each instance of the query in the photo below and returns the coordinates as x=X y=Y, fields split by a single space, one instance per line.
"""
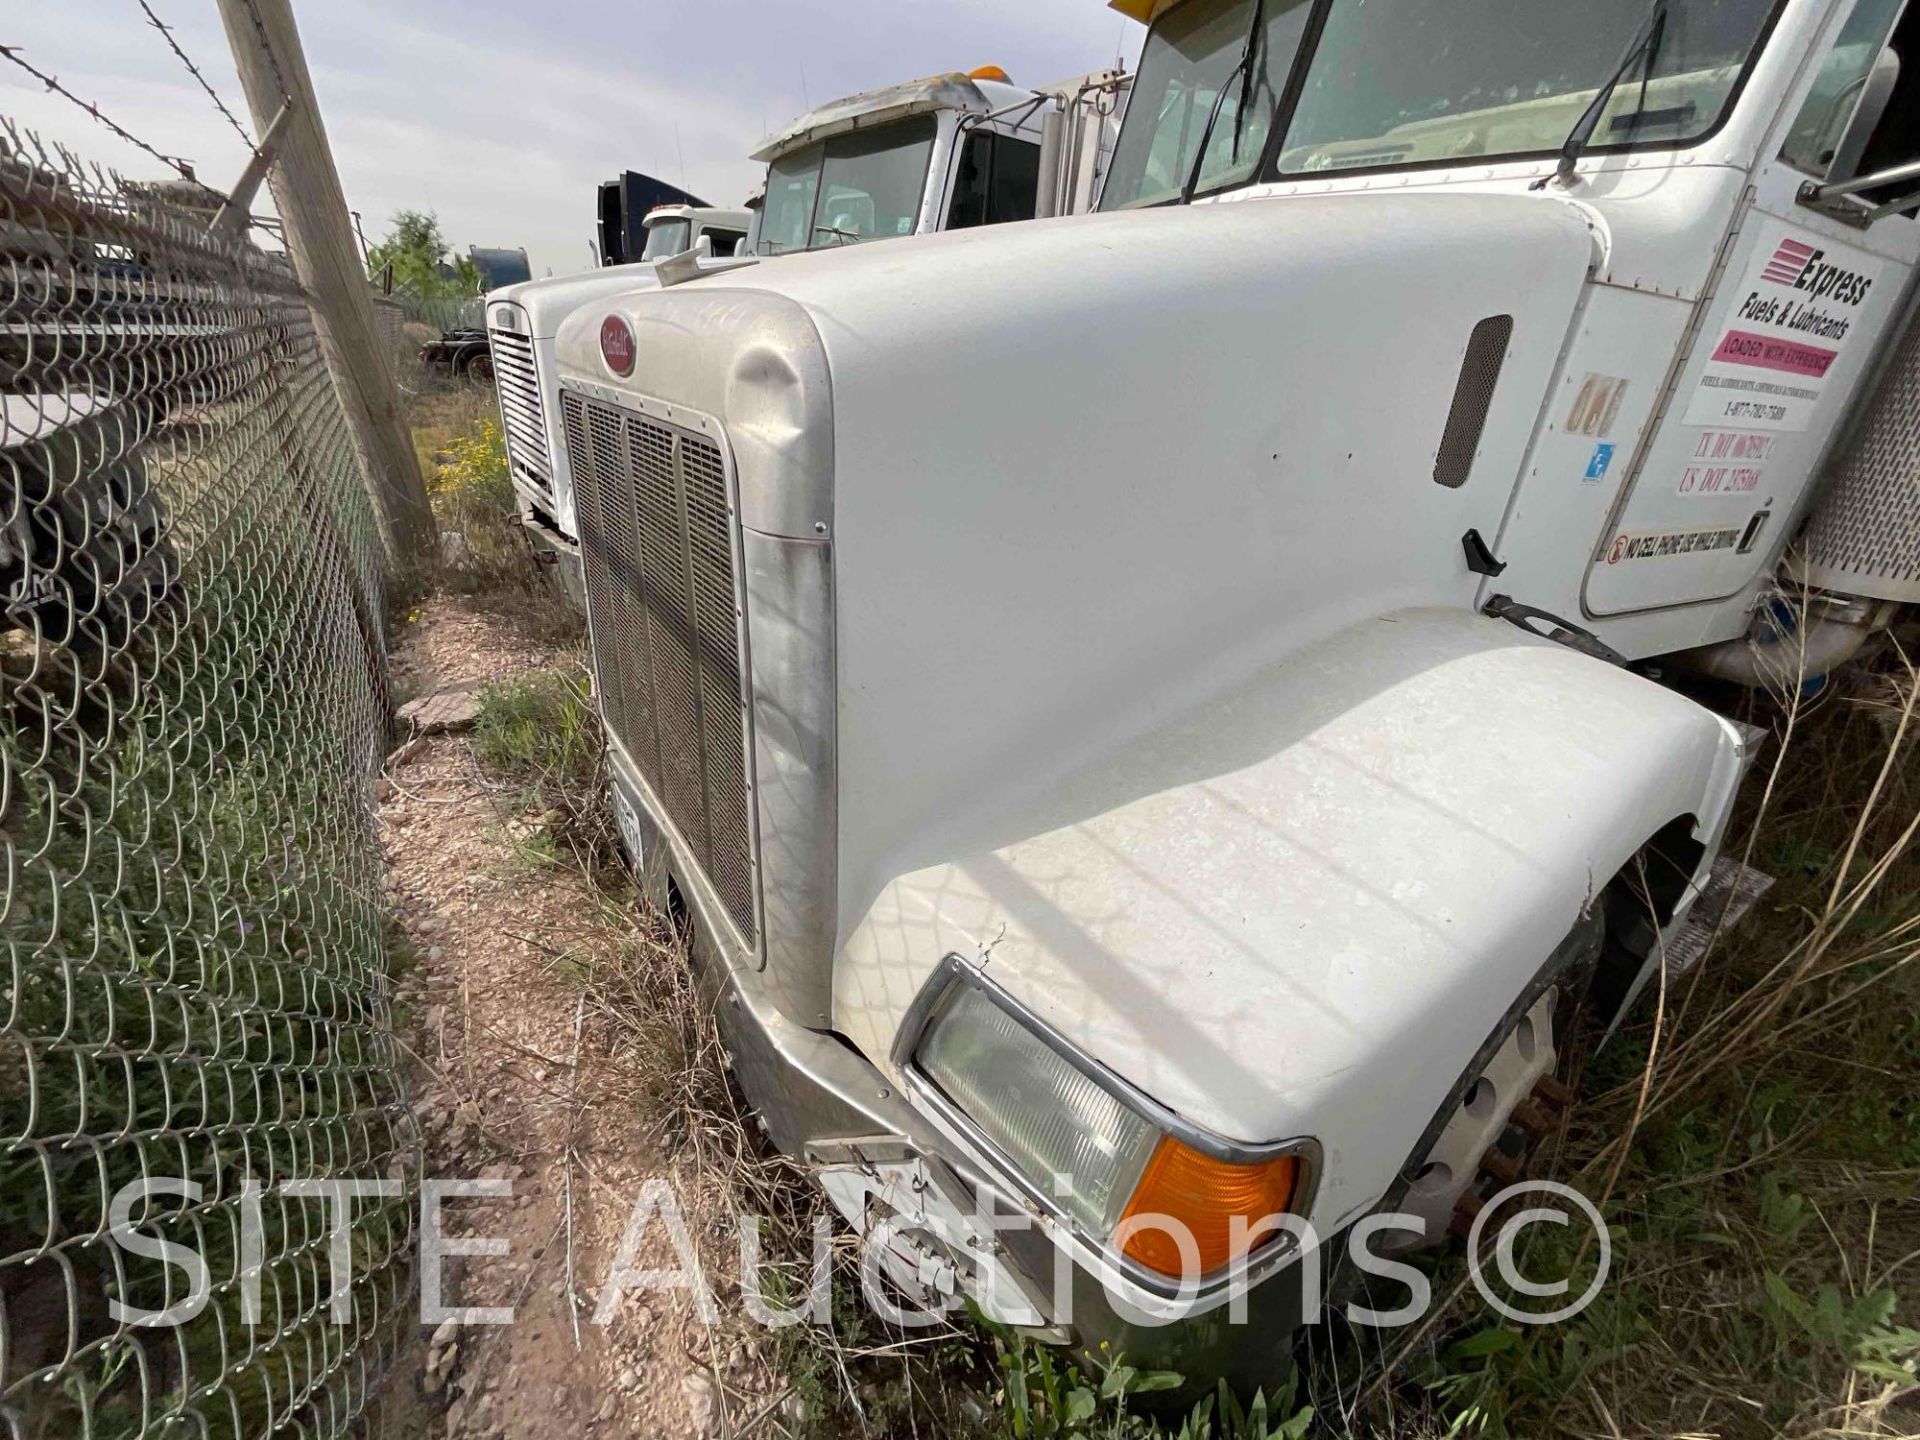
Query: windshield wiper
x=835 y=230
x=1646 y=46
x=1243 y=72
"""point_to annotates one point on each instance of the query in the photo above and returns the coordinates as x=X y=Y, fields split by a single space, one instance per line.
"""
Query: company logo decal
x=1801 y=267
x=617 y=346
x=1791 y=321
x=1789 y=263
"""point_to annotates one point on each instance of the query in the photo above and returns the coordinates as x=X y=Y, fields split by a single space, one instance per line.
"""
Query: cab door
x=1790 y=330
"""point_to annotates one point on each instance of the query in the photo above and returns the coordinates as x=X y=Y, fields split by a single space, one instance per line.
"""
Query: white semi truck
x=675 y=229
x=1161 y=698
x=945 y=153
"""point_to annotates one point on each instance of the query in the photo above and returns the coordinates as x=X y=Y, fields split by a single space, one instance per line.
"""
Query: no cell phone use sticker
x=1665 y=544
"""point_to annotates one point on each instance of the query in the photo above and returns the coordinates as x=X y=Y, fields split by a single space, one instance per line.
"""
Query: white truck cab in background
x=1164 y=698
x=521 y=320
x=948 y=152
x=675 y=229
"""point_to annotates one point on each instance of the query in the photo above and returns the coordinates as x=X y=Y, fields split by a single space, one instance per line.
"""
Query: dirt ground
x=519 y=1078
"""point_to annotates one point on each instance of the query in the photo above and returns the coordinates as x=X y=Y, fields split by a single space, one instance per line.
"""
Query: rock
x=628 y=1378
x=605 y=1412
x=698 y=1390
x=450 y=710
x=384 y=790
x=447 y=1334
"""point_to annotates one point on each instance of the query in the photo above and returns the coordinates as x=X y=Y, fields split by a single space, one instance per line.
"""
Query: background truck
x=676 y=229
x=624 y=204
x=1190 y=729
x=949 y=152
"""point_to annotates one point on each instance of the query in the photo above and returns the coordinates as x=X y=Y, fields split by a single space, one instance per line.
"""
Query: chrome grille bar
x=516 y=377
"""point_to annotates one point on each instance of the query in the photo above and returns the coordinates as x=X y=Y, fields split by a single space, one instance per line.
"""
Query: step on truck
x=1149 y=715
x=945 y=153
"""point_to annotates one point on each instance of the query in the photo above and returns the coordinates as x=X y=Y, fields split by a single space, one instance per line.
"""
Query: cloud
x=503 y=119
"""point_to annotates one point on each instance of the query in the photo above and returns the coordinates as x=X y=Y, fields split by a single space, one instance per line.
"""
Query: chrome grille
x=657 y=542
x=516 y=376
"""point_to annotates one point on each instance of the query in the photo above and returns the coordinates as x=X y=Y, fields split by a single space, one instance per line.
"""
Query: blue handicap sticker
x=1601 y=463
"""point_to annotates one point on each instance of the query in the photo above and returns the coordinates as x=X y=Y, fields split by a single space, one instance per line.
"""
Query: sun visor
x=1145 y=11
x=876 y=107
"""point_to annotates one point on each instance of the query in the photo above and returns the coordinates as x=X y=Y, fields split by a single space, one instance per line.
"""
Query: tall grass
x=1754 y=1138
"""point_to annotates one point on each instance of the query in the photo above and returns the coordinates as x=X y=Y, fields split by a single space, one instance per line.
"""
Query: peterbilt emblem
x=503 y=318
x=617 y=345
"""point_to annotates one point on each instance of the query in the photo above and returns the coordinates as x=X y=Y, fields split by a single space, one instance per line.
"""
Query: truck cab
x=1163 y=760
x=675 y=229
x=951 y=152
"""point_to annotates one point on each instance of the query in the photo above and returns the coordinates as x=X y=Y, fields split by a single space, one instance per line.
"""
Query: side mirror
x=1836 y=199
x=1840 y=197
x=1876 y=92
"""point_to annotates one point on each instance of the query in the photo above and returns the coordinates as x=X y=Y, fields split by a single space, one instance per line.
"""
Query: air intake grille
x=1472 y=400
x=516 y=375
x=657 y=541
x=1864 y=535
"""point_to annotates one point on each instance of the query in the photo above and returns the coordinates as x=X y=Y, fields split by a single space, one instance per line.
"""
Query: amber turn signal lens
x=1205 y=1194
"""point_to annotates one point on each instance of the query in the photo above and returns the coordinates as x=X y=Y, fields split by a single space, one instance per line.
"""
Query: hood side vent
x=1472 y=400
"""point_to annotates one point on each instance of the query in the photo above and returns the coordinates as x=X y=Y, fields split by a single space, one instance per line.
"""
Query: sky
x=503 y=118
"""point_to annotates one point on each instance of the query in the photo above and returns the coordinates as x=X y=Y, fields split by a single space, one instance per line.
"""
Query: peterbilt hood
x=548 y=302
x=1082 y=479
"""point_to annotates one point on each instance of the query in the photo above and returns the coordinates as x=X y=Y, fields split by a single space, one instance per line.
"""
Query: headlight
x=1085 y=1142
x=1054 y=1124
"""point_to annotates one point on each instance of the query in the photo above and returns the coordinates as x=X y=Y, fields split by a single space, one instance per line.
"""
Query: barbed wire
x=166 y=32
x=177 y=163
x=266 y=47
x=174 y=162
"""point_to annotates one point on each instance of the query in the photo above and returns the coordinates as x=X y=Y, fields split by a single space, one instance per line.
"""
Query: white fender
x=1340 y=877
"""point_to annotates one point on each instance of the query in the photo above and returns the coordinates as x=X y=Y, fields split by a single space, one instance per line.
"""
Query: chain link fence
x=195 y=1006
x=444 y=313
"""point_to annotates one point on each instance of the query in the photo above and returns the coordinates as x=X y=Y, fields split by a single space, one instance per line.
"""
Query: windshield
x=1189 y=56
x=1402 y=81
x=1408 y=82
x=667 y=238
x=864 y=185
